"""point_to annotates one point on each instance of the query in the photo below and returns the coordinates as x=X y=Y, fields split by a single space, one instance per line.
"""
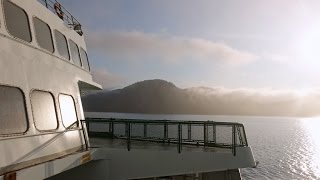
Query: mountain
x=150 y=96
x=162 y=97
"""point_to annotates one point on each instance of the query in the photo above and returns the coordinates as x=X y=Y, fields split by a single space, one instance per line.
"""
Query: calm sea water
x=286 y=148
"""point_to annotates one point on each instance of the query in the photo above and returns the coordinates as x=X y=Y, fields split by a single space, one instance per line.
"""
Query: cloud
x=107 y=79
x=278 y=58
x=145 y=46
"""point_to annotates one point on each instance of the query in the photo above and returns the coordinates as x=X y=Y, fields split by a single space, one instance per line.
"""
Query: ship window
x=43 y=34
x=84 y=59
x=16 y=21
x=44 y=112
x=75 y=53
x=62 y=45
x=68 y=110
x=13 y=115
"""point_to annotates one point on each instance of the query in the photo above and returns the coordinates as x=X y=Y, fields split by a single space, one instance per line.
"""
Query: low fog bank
x=162 y=97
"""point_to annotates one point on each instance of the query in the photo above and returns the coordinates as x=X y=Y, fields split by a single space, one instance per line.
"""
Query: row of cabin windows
x=13 y=114
x=18 y=26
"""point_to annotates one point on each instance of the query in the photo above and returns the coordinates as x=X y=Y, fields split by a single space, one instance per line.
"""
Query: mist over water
x=286 y=148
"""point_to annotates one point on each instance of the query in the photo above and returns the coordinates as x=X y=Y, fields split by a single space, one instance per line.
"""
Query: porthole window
x=16 y=21
x=44 y=111
x=74 y=53
x=84 y=59
x=13 y=115
x=43 y=34
x=62 y=45
x=68 y=111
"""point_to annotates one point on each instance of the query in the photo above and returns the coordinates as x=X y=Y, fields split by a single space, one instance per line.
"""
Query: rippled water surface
x=286 y=148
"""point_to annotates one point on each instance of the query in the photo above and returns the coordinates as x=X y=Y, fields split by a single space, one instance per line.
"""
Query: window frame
x=75 y=110
x=71 y=41
x=89 y=68
x=56 y=44
x=36 y=38
x=55 y=110
x=26 y=113
x=6 y=26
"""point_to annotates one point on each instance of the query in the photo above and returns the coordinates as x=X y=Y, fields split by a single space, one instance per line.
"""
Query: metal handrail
x=65 y=15
x=237 y=132
x=68 y=129
x=160 y=121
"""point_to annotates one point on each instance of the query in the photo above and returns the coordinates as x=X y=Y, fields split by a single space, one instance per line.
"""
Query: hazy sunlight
x=311 y=126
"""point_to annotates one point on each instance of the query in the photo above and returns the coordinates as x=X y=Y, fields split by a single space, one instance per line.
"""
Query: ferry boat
x=44 y=133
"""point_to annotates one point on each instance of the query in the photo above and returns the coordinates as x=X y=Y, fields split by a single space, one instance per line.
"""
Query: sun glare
x=308 y=47
x=311 y=126
x=303 y=92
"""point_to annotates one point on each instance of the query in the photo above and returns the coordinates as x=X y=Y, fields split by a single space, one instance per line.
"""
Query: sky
x=233 y=44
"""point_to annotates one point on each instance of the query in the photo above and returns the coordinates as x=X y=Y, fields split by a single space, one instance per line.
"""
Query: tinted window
x=84 y=59
x=16 y=21
x=68 y=110
x=43 y=34
x=44 y=112
x=13 y=115
x=75 y=53
x=62 y=45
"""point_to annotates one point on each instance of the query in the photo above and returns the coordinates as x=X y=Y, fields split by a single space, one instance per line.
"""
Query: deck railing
x=206 y=134
x=55 y=7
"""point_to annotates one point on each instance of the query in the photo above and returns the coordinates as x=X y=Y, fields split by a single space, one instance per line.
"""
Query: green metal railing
x=206 y=134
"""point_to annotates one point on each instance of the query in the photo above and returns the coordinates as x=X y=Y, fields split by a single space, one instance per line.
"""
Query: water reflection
x=287 y=148
x=312 y=135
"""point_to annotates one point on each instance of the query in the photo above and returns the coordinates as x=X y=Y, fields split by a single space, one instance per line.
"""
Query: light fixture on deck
x=77 y=28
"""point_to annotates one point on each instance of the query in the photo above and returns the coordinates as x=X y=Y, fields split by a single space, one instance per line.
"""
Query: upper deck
x=56 y=8
x=156 y=148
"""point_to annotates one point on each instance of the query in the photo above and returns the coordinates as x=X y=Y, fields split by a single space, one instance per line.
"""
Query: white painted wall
x=136 y=163
x=28 y=67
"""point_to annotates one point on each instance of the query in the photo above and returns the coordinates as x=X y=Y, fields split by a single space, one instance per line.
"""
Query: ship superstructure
x=44 y=68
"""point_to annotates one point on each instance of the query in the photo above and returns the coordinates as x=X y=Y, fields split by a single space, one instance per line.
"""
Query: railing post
x=234 y=140
x=145 y=130
x=239 y=135
x=205 y=134
x=214 y=133
x=111 y=128
x=128 y=133
x=245 y=136
x=72 y=20
x=189 y=132
x=46 y=3
x=165 y=133
x=88 y=127
x=179 y=138
x=84 y=134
